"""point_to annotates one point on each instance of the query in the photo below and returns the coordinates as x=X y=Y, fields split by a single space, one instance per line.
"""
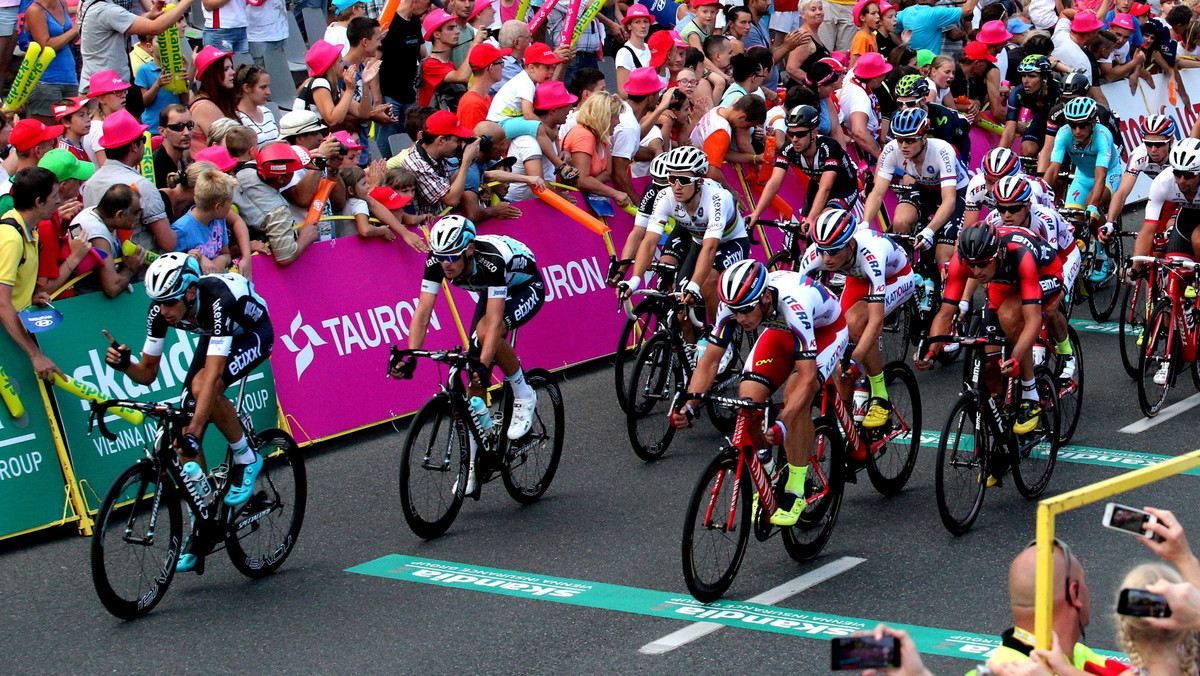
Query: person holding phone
x=1152 y=649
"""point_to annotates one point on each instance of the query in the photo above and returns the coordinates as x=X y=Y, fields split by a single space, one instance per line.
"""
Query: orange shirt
x=473 y=109
x=713 y=134
x=863 y=42
x=581 y=140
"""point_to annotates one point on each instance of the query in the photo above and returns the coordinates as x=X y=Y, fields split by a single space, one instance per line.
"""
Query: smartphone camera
x=1141 y=603
x=485 y=144
x=864 y=652
x=677 y=100
x=1129 y=520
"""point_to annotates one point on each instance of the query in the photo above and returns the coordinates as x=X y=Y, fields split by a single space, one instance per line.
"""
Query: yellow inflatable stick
x=89 y=393
x=37 y=59
x=171 y=56
x=147 y=167
x=9 y=394
x=128 y=247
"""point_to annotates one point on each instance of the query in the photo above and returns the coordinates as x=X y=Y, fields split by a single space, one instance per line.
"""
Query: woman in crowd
x=634 y=53
x=941 y=75
x=180 y=193
x=109 y=91
x=50 y=25
x=866 y=17
x=590 y=145
x=811 y=49
x=326 y=72
x=253 y=87
x=215 y=97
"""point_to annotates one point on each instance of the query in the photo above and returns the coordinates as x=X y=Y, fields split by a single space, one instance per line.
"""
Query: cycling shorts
x=1052 y=287
x=727 y=254
x=248 y=350
x=899 y=289
x=522 y=303
x=1180 y=239
x=773 y=357
x=927 y=202
x=1036 y=131
x=847 y=202
x=1081 y=186
x=1070 y=268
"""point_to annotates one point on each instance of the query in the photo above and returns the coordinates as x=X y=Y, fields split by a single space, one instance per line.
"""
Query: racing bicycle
x=641 y=323
x=1096 y=256
x=1170 y=339
x=1137 y=302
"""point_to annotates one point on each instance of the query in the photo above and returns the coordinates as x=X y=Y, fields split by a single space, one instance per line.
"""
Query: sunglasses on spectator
x=1079 y=125
x=1186 y=175
x=180 y=126
x=1155 y=144
x=683 y=181
x=1010 y=209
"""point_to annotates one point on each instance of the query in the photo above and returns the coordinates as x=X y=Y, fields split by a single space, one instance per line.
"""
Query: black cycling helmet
x=805 y=117
x=1075 y=84
x=978 y=243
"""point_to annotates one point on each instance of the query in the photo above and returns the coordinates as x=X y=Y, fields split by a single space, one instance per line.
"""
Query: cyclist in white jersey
x=1151 y=158
x=939 y=177
x=1175 y=189
x=998 y=163
x=803 y=337
x=878 y=279
x=658 y=183
x=709 y=232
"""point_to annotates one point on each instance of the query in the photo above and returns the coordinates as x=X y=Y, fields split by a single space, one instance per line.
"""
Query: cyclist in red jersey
x=1024 y=278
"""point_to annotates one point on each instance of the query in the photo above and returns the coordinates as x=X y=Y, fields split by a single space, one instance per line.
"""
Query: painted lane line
x=1086 y=455
x=769 y=598
x=1163 y=415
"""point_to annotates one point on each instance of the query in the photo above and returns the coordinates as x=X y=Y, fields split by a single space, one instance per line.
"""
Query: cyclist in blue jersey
x=1095 y=154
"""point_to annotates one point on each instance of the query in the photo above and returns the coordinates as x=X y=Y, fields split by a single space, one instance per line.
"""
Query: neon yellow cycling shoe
x=1027 y=417
x=789 y=517
x=878 y=412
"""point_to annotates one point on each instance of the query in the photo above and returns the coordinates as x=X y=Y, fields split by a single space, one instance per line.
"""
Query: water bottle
x=862 y=395
x=926 y=302
x=1039 y=355
x=701 y=346
x=767 y=459
x=480 y=412
x=197 y=483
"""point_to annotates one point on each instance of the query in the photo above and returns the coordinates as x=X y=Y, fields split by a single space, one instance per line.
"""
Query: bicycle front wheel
x=1037 y=452
x=264 y=532
x=714 y=534
x=531 y=461
x=136 y=543
x=1103 y=289
x=433 y=468
x=1133 y=311
x=891 y=462
x=1070 y=392
x=823 y=487
x=657 y=377
x=634 y=334
x=729 y=380
x=1158 y=361
x=962 y=468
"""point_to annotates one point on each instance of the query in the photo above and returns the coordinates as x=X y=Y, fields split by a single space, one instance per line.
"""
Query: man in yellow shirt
x=35 y=198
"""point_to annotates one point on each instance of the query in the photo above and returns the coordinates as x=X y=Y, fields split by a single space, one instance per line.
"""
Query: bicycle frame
x=1174 y=282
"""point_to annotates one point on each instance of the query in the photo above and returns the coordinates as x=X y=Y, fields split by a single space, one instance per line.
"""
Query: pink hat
x=637 y=11
x=480 y=5
x=105 y=82
x=321 y=56
x=678 y=39
x=871 y=65
x=218 y=155
x=390 y=199
x=346 y=139
x=1123 y=21
x=993 y=33
x=885 y=7
x=643 y=81
x=433 y=21
x=1085 y=22
x=120 y=128
x=553 y=94
x=842 y=58
x=860 y=7
x=207 y=57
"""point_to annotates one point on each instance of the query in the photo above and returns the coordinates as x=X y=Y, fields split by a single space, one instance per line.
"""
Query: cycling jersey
x=951 y=127
x=500 y=263
x=1099 y=151
x=940 y=165
x=877 y=260
x=1048 y=225
x=801 y=307
x=1027 y=264
x=1058 y=120
x=1164 y=190
x=226 y=306
x=979 y=195
x=1140 y=163
x=716 y=214
x=1038 y=102
x=829 y=157
x=646 y=207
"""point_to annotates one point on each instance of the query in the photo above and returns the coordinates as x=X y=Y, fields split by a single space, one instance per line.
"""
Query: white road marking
x=1163 y=415
x=770 y=597
x=17 y=440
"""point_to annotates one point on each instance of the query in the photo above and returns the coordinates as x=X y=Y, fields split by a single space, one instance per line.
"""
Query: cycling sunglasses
x=1155 y=144
x=799 y=134
x=683 y=181
x=447 y=258
x=1010 y=209
x=180 y=126
x=1079 y=125
x=1186 y=175
x=743 y=310
x=976 y=265
x=909 y=104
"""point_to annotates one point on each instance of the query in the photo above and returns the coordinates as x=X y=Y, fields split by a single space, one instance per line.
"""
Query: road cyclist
x=1092 y=149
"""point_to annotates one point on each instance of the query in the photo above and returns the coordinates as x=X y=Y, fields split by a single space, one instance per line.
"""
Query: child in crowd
x=702 y=25
x=203 y=231
x=866 y=17
x=75 y=116
x=512 y=107
x=357 y=193
x=402 y=185
x=335 y=33
x=151 y=79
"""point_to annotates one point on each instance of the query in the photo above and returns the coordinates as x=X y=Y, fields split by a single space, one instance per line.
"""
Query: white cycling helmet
x=687 y=159
x=170 y=276
x=658 y=168
x=1185 y=155
x=1000 y=162
x=833 y=230
x=451 y=235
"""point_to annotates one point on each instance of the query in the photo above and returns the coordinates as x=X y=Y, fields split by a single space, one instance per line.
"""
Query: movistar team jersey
x=877 y=259
x=500 y=263
x=1098 y=151
x=801 y=306
x=716 y=214
x=938 y=166
x=952 y=127
x=1140 y=163
x=226 y=306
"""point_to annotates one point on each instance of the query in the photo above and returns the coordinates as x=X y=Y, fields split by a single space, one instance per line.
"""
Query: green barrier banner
x=32 y=488
x=78 y=348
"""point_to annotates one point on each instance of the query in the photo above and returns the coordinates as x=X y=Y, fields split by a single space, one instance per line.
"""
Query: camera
x=343 y=150
x=485 y=143
x=677 y=100
x=493 y=33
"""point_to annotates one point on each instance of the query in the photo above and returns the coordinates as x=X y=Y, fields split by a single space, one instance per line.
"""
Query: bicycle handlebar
x=996 y=341
x=1168 y=262
x=655 y=293
x=794 y=226
x=454 y=356
x=734 y=402
x=152 y=408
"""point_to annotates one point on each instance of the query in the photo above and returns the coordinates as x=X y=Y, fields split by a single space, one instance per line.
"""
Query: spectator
x=59 y=254
x=253 y=87
x=316 y=94
x=262 y=182
x=702 y=25
x=357 y=193
x=50 y=25
x=635 y=53
x=353 y=147
x=225 y=26
x=489 y=168
x=151 y=80
x=439 y=75
x=941 y=75
x=31 y=140
x=761 y=25
x=461 y=11
x=306 y=131
x=737 y=24
x=983 y=79
x=825 y=78
x=551 y=104
x=174 y=154
x=638 y=137
x=514 y=35
x=240 y=142
x=35 y=199
x=401 y=50
x=482 y=17
x=368 y=106
x=439 y=185
x=124 y=144
x=860 y=112
x=995 y=37
x=345 y=12
x=812 y=47
x=1151 y=649
x=486 y=64
x=866 y=17
x=512 y=107
x=926 y=22
x=203 y=231
x=215 y=97
x=715 y=133
x=110 y=93
x=118 y=209
x=719 y=60
x=400 y=186
x=1071 y=38
x=76 y=119
x=1014 y=49
x=267 y=29
x=1124 y=62
x=887 y=40
x=666 y=54
x=590 y=146
x=747 y=78
x=180 y=194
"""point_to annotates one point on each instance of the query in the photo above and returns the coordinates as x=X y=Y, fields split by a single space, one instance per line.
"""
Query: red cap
x=207 y=57
x=993 y=33
x=485 y=54
x=552 y=94
x=701 y=3
x=218 y=155
x=119 y=129
x=389 y=198
x=62 y=111
x=975 y=51
x=1085 y=22
x=105 y=82
x=1139 y=9
x=660 y=45
x=27 y=133
x=277 y=159
x=445 y=123
x=540 y=52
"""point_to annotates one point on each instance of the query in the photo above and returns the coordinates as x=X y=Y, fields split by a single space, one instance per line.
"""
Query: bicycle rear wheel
x=137 y=539
x=826 y=484
x=433 y=468
x=657 y=376
x=1037 y=452
x=897 y=328
x=634 y=333
x=962 y=467
x=714 y=537
x=891 y=464
x=1070 y=393
x=1157 y=352
x=1133 y=311
x=1103 y=294
x=531 y=461
x=265 y=530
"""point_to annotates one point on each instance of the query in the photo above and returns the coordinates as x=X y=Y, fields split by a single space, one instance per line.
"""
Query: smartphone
x=1141 y=603
x=1129 y=520
x=864 y=652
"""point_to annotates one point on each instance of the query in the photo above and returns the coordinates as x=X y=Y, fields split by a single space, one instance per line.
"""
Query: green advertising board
x=77 y=346
x=32 y=488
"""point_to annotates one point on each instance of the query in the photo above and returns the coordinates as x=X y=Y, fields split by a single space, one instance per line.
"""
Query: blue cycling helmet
x=1082 y=109
x=833 y=230
x=171 y=275
x=742 y=284
x=910 y=122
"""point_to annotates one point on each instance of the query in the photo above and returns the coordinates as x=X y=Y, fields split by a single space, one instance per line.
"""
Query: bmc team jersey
x=1165 y=190
x=940 y=165
x=1025 y=260
x=1099 y=151
x=226 y=306
x=1140 y=163
x=801 y=307
x=716 y=214
x=979 y=195
x=829 y=157
x=1047 y=224
x=877 y=260
x=500 y=263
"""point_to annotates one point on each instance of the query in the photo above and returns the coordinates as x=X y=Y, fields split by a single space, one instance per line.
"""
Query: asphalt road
x=608 y=518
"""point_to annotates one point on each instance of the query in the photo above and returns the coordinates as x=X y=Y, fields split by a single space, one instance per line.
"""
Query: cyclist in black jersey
x=833 y=180
x=1029 y=105
x=912 y=91
x=511 y=291
x=236 y=336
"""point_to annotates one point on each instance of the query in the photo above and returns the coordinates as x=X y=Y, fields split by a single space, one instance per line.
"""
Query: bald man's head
x=1022 y=577
x=500 y=143
x=1072 y=610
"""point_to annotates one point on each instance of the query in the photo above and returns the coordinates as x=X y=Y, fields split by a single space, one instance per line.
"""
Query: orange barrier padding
x=585 y=219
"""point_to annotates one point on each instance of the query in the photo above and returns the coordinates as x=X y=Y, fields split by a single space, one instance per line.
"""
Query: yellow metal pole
x=762 y=235
x=85 y=521
x=1043 y=618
